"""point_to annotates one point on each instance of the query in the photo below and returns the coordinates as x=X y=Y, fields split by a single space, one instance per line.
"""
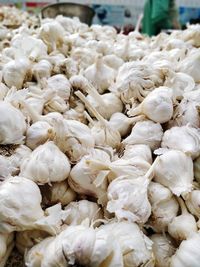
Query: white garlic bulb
x=58 y=192
x=12 y=124
x=101 y=75
x=192 y=201
x=38 y=133
x=197 y=169
x=145 y=132
x=163 y=249
x=46 y=164
x=157 y=106
x=81 y=210
x=127 y=198
x=136 y=248
x=164 y=207
x=184 y=225
x=15 y=213
x=14 y=73
x=189 y=142
x=60 y=84
x=142 y=151
x=175 y=171
x=187 y=254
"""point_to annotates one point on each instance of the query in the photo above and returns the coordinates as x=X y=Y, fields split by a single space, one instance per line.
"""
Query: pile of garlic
x=105 y=170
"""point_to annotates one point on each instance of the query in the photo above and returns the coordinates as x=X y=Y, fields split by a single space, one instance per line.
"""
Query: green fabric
x=158 y=15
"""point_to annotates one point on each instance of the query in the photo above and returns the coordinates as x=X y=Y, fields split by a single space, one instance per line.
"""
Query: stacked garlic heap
x=100 y=145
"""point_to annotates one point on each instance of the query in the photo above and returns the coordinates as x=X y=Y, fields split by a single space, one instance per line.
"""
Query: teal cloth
x=158 y=15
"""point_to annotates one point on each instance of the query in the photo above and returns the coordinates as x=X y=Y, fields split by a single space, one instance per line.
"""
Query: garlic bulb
x=157 y=106
x=136 y=248
x=27 y=239
x=190 y=65
x=38 y=133
x=103 y=134
x=127 y=198
x=145 y=132
x=81 y=210
x=164 y=207
x=58 y=192
x=6 y=168
x=20 y=153
x=60 y=84
x=3 y=91
x=73 y=138
x=188 y=253
x=6 y=246
x=12 y=124
x=122 y=123
x=15 y=72
x=52 y=34
x=91 y=247
x=184 y=225
x=185 y=113
x=100 y=75
x=82 y=178
x=15 y=213
x=189 y=143
x=105 y=104
x=163 y=249
x=175 y=171
x=46 y=164
x=192 y=201
x=142 y=151
x=42 y=69
x=113 y=61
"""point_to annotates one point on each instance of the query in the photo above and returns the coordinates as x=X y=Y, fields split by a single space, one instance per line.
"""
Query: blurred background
x=118 y=13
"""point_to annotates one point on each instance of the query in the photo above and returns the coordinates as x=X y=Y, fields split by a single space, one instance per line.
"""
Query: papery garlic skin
x=197 y=169
x=127 y=198
x=136 y=247
x=145 y=132
x=38 y=133
x=27 y=239
x=15 y=213
x=175 y=171
x=189 y=143
x=58 y=192
x=187 y=254
x=192 y=201
x=164 y=207
x=6 y=246
x=143 y=151
x=81 y=210
x=46 y=164
x=184 y=225
x=163 y=249
x=101 y=75
x=81 y=178
x=12 y=124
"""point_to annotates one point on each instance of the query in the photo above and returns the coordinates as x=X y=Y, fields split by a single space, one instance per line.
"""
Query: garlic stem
x=97 y=97
x=135 y=111
x=136 y=119
x=6 y=256
x=97 y=164
x=91 y=108
x=137 y=27
x=151 y=169
x=87 y=116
